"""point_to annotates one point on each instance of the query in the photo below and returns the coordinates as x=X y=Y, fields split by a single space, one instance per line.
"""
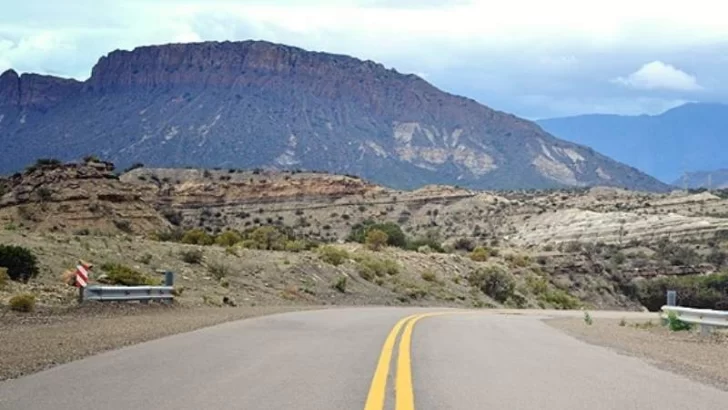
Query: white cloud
x=660 y=76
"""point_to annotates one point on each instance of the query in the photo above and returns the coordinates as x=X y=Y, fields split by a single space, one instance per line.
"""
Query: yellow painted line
x=405 y=397
x=378 y=388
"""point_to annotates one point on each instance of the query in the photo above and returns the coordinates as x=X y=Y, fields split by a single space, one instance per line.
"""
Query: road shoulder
x=700 y=358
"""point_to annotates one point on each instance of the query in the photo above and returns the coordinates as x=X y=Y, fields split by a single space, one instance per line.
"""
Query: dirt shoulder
x=701 y=358
x=32 y=343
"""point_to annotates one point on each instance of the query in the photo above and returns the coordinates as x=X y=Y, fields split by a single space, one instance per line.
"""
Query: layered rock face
x=257 y=104
x=72 y=197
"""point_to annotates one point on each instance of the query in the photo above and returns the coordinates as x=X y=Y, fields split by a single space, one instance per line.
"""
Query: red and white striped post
x=82 y=273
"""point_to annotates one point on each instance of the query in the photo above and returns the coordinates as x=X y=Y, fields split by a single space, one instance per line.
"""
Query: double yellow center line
x=404 y=396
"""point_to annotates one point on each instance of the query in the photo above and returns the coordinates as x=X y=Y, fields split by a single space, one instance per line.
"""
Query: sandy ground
x=701 y=358
x=32 y=343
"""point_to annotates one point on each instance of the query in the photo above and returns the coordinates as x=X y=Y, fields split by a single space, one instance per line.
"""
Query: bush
x=192 y=256
x=494 y=281
x=429 y=276
x=24 y=302
x=479 y=254
x=333 y=255
x=20 y=262
x=675 y=324
x=395 y=236
x=228 y=238
x=340 y=284
x=431 y=243
x=218 y=270
x=464 y=244
x=559 y=299
x=268 y=238
x=378 y=267
x=117 y=274
x=197 y=237
x=376 y=239
x=296 y=246
x=174 y=235
x=123 y=225
x=518 y=260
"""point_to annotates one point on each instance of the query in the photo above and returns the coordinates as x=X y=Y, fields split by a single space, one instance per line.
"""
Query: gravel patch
x=701 y=358
x=30 y=343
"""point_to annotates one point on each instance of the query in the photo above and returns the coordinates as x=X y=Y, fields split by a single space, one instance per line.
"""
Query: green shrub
x=536 y=284
x=249 y=244
x=340 y=284
x=174 y=235
x=675 y=324
x=518 y=260
x=395 y=235
x=20 y=262
x=559 y=299
x=118 y=274
x=429 y=276
x=197 y=237
x=333 y=255
x=228 y=238
x=379 y=267
x=268 y=238
x=376 y=239
x=24 y=302
x=479 y=254
x=494 y=281
x=192 y=256
x=366 y=272
x=296 y=246
x=218 y=270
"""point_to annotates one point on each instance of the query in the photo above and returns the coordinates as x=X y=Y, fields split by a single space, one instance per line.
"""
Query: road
x=363 y=358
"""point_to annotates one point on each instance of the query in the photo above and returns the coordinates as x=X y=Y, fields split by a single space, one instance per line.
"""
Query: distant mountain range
x=257 y=104
x=717 y=179
x=687 y=138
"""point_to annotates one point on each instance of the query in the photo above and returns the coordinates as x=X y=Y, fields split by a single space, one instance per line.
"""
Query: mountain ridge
x=259 y=104
x=682 y=139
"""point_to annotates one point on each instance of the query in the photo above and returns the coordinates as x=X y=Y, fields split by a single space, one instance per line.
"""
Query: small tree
x=376 y=239
x=20 y=262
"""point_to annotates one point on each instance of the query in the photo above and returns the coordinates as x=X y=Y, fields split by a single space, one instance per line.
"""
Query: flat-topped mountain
x=257 y=104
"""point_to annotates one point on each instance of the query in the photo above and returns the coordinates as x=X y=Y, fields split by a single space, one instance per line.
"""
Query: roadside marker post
x=82 y=272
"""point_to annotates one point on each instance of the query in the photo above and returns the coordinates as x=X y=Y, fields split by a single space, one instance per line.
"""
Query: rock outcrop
x=70 y=197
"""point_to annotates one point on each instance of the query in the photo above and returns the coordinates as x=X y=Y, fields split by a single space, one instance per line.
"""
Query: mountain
x=257 y=104
x=686 y=138
x=717 y=179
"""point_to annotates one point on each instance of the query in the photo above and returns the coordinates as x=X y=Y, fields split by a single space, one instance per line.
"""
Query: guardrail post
x=168 y=278
x=671 y=298
x=706 y=330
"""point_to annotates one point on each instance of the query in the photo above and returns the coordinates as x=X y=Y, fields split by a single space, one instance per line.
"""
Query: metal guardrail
x=706 y=318
x=128 y=293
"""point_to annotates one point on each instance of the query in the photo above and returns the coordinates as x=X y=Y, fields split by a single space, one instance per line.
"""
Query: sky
x=536 y=59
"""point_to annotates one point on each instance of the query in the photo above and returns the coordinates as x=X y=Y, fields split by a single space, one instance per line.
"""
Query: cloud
x=660 y=76
x=493 y=52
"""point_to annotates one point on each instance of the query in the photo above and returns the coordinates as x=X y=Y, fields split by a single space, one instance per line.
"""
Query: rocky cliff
x=258 y=104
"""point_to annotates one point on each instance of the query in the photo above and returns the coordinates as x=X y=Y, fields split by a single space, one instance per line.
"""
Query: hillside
x=257 y=104
x=273 y=237
x=680 y=140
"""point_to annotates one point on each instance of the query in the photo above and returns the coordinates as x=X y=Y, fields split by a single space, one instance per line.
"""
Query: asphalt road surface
x=363 y=358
